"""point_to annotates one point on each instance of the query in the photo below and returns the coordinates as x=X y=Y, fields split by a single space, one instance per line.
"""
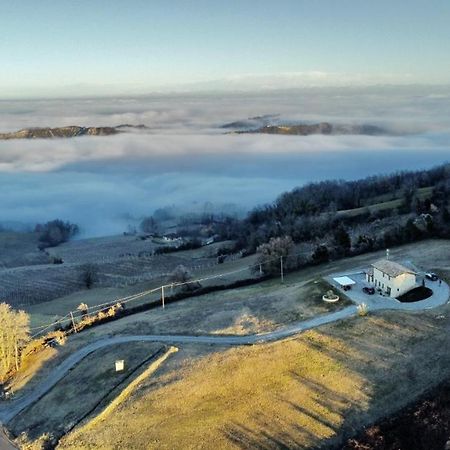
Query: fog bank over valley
x=186 y=159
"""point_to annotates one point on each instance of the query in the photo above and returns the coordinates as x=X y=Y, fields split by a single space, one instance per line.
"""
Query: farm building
x=391 y=278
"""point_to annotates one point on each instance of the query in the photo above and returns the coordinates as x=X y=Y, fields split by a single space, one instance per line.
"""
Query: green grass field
x=381 y=204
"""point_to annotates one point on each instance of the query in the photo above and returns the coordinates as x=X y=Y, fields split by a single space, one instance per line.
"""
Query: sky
x=85 y=48
x=184 y=68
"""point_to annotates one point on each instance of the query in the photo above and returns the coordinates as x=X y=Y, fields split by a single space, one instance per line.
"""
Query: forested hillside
x=338 y=218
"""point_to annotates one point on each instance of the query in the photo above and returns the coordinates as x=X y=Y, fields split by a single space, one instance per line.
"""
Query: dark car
x=369 y=290
x=431 y=276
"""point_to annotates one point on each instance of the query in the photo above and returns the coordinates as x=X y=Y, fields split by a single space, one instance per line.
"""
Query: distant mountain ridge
x=324 y=128
x=251 y=123
x=67 y=132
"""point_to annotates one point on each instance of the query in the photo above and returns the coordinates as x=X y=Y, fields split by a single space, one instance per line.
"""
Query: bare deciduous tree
x=83 y=308
x=14 y=334
x=89 y=274
x=182 y=275
x=270 y=255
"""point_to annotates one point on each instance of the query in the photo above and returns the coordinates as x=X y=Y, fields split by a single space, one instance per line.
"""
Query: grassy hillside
x=293 y=393
x=88 y=386
x=297 y=393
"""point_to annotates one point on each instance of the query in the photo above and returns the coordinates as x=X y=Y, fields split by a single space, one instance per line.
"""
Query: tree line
x=310 y=214
x=55 y=232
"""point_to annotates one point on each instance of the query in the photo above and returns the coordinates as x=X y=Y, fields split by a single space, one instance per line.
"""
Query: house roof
x=391 y=268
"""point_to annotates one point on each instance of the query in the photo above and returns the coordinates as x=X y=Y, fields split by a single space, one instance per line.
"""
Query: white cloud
x=185 y=157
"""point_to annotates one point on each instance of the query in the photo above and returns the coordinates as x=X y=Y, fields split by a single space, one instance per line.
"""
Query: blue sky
x=135 y=46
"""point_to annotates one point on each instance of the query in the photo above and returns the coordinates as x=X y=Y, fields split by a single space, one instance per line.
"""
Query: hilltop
x=67 y=132
x=324 y=128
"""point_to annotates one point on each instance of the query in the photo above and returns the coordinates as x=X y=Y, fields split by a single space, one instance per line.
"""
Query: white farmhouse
x=391 y=278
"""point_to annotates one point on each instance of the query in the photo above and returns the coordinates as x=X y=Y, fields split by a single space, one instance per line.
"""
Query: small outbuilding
x=391 y=278
x=344 y=282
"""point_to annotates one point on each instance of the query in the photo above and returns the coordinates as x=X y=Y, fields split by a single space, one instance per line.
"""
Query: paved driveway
x=441 y=293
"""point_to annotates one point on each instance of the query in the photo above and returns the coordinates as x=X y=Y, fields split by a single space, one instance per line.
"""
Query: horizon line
x=166 y=92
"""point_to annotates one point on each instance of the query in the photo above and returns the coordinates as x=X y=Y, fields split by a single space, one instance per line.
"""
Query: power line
x=124 y=300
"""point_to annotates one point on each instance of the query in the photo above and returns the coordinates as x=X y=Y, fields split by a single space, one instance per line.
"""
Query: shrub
x=182 y=275
x=44 y=442
x=320 y=255
x=363 y=309
x=188 y=245
x=89 y=274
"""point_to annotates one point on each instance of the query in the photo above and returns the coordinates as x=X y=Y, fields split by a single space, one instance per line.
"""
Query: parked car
x=369 y=290
x=431 y=276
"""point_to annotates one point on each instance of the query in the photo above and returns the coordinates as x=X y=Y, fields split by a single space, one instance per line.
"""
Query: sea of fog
x=186 y=159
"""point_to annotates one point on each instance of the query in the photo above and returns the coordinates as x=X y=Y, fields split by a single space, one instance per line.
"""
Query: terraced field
x=22 y=286
x=104 y=249
x=20 y=249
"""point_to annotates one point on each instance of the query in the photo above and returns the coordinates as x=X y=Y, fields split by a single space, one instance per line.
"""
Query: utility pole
x=281 y=269
x=260 y=269
x=73 y=322
x=162 y=297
